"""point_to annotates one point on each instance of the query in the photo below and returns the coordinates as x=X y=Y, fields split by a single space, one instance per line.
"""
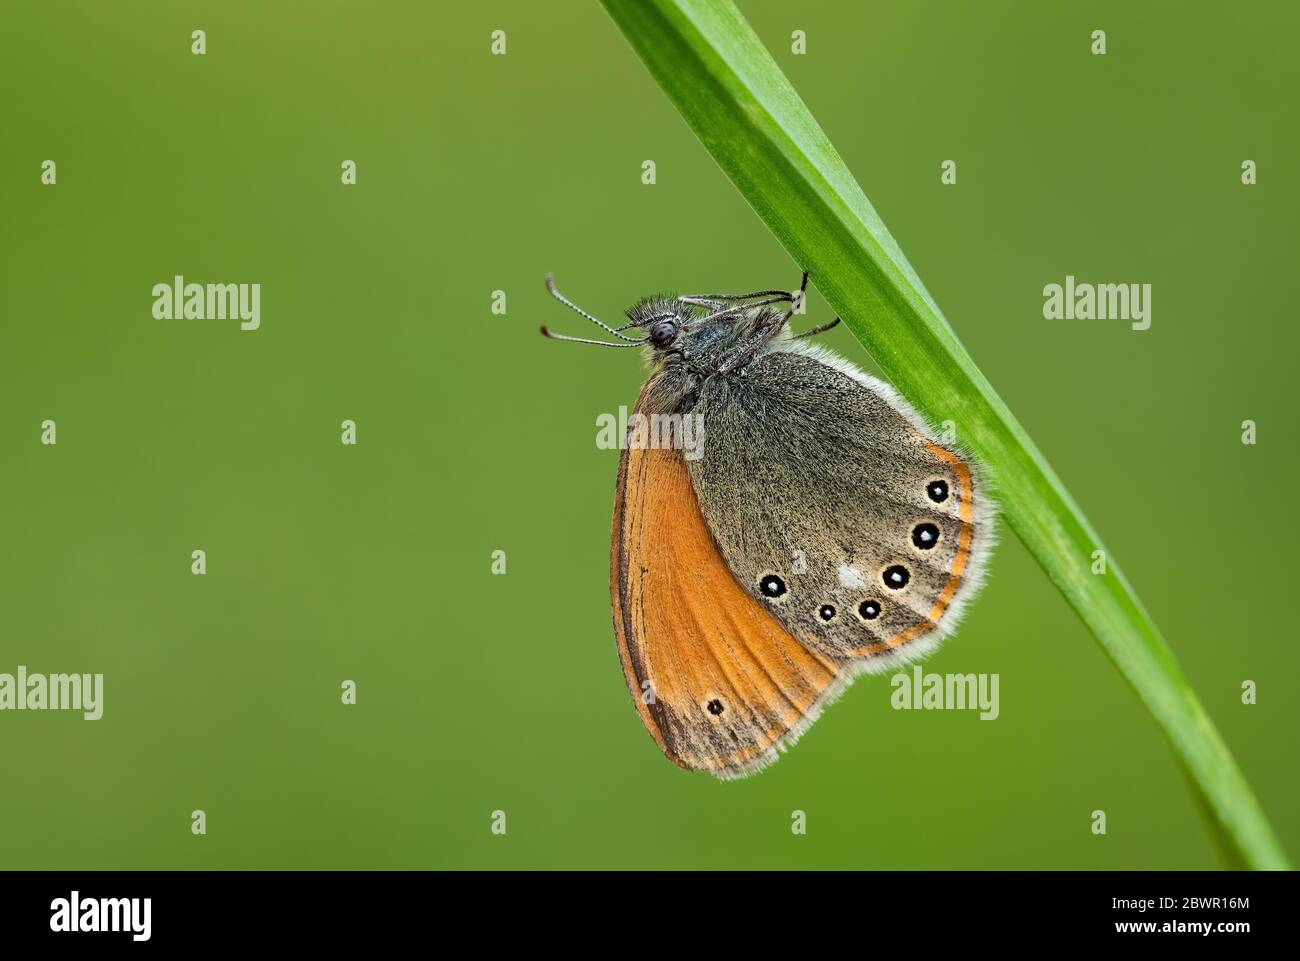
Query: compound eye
x=662 y=332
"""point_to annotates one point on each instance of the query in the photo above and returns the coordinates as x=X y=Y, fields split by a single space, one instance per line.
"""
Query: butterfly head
x=699 y=335
x=662 y=320
x=698 y=331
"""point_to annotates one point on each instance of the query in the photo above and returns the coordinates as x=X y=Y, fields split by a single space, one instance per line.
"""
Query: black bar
x=208 y=909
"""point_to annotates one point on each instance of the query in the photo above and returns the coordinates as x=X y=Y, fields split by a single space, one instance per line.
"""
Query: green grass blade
x=735 y=98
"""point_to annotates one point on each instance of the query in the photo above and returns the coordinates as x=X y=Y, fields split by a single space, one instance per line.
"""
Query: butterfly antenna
x=584 y=340
x=550 y=287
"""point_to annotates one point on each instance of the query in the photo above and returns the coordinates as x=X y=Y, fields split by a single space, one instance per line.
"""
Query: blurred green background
x=477 y=173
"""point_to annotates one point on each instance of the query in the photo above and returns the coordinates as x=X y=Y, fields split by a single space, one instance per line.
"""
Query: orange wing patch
x=717 y=681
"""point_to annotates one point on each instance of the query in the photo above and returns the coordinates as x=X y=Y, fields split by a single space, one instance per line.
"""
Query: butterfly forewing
x=717 y=680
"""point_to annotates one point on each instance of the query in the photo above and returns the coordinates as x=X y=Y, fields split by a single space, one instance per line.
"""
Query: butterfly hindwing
x=835 y=510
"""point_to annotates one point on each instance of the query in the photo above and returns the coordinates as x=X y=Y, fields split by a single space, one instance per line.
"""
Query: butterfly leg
x=716 y=300
x=818 y=330
x=750 y=348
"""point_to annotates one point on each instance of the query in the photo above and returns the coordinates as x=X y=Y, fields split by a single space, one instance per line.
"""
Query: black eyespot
x=925 y=536
x=896 y=577
x=937 y=490
x=826 y=612
x=869 y=610
x=771 y=586
x=715 y=707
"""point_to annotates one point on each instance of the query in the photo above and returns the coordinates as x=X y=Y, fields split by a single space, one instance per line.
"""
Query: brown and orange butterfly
x=782 y=523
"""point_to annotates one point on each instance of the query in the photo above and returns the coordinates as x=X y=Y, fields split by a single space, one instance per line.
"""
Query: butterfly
x=822 y=532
